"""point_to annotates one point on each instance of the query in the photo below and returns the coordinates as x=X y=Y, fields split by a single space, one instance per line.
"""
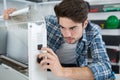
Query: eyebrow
x=73 y=27
x=70 y=27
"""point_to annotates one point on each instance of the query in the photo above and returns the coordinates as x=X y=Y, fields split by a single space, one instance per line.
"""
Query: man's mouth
x=69 y=40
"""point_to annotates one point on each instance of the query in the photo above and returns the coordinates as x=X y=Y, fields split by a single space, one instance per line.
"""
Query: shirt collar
x=84 y=36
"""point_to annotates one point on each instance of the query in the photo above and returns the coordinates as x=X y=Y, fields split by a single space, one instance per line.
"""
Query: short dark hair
x=76 y=10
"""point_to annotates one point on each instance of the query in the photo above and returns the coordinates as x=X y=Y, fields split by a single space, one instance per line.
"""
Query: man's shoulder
x=51 y=19
x=92 y=27
x=91 y=31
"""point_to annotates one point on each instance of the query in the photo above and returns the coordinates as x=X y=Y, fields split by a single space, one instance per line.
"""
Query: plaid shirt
x=100 y=65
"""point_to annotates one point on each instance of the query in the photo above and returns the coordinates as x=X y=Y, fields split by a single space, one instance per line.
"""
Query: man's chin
x=70 y=42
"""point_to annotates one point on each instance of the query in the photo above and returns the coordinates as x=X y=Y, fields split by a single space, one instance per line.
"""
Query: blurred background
x=14 y=34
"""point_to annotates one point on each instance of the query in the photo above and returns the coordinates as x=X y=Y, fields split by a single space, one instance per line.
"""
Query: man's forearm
x=79 y=73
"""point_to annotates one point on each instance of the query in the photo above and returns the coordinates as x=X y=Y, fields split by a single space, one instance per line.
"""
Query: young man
x=69 y=37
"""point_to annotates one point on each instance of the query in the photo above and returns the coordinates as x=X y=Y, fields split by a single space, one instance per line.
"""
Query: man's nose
x=67 y=33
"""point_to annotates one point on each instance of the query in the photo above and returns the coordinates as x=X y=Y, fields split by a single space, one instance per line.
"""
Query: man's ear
x=85 y=23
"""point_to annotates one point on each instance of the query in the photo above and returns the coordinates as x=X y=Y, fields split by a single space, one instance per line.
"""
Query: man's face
x=71 y=30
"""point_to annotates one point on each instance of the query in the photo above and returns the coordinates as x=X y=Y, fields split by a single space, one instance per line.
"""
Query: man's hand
x=8 y=12
x=51 y=61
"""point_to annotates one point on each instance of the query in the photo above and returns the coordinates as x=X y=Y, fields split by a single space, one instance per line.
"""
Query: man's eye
x=72 y=28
